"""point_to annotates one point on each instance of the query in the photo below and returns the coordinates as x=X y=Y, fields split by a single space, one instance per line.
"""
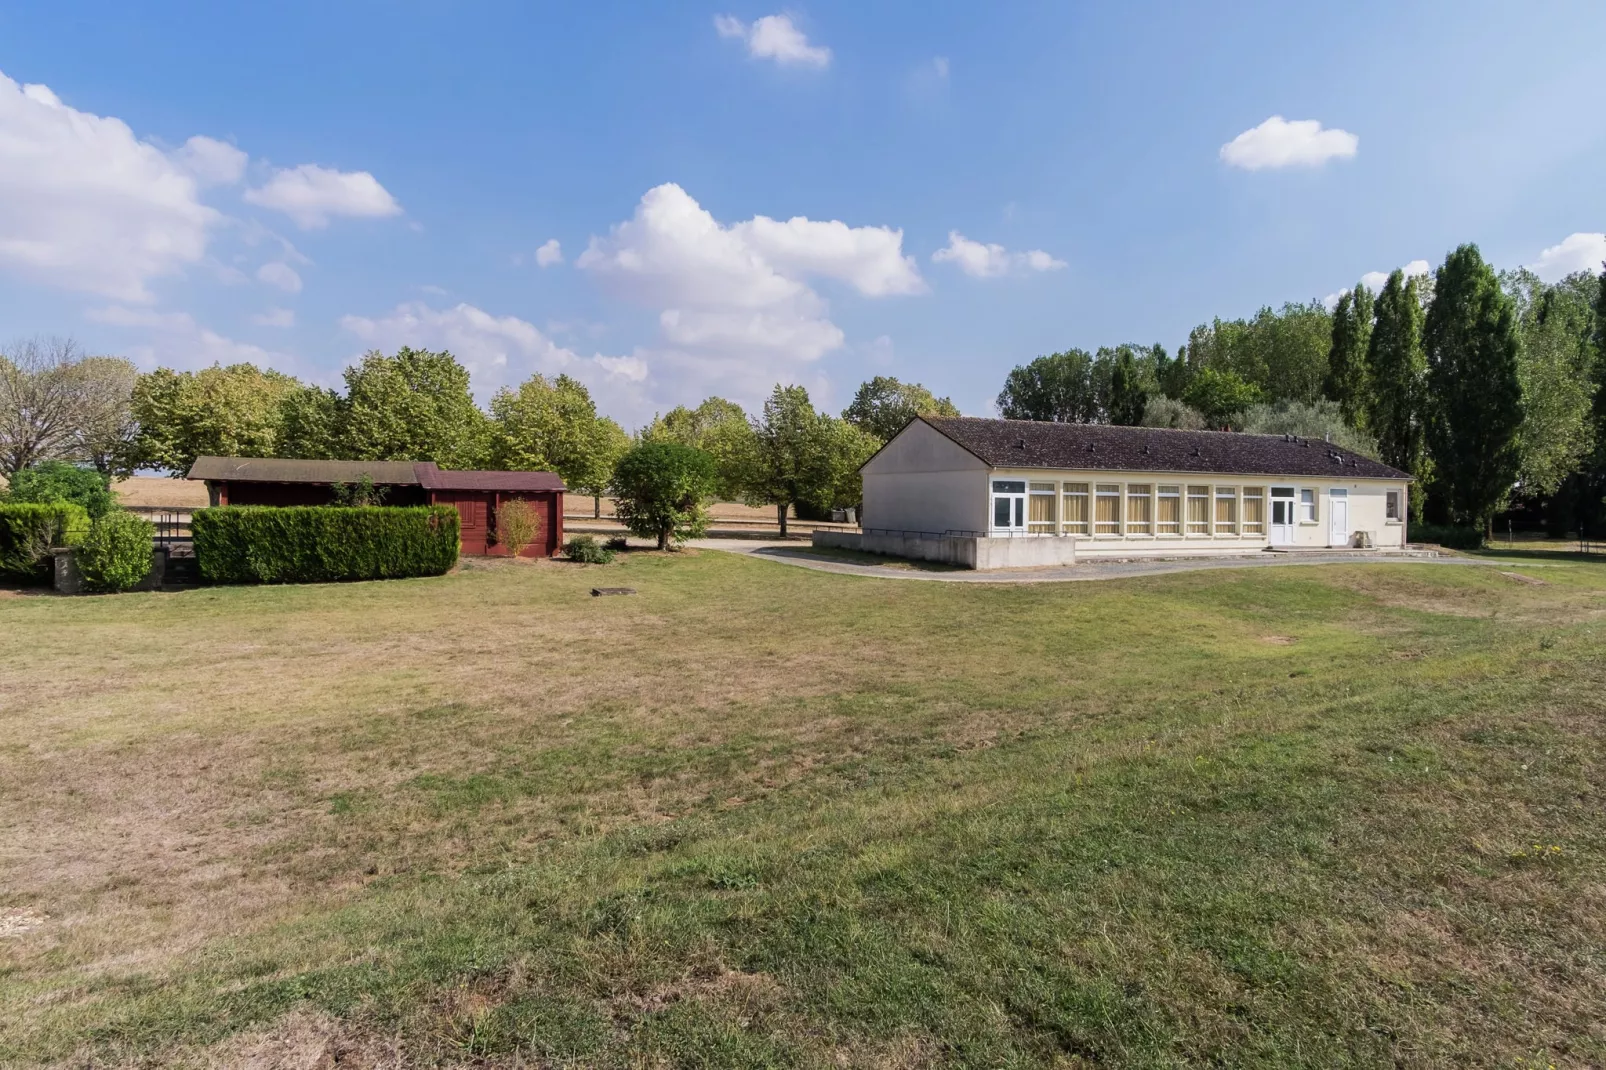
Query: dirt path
x=790 y=553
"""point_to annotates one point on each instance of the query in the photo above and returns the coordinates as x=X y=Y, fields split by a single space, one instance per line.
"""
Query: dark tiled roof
x=287 y=470
x=382 y=473
x=434 y=478
x=1030 y=444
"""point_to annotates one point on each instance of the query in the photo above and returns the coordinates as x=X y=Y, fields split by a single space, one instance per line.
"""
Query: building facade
x=1089 y=491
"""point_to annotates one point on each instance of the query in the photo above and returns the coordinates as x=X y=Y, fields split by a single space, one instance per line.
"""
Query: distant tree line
x=1488 y=388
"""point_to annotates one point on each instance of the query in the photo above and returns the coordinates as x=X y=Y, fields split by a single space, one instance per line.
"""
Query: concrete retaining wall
x=964 y=551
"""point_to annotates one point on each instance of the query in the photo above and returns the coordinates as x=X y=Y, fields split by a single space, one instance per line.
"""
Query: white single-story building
x=1010 y=493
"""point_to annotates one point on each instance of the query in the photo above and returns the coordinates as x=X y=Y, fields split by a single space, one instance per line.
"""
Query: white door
x=1338 y=511
x=1282 y=516
x=1009 y=506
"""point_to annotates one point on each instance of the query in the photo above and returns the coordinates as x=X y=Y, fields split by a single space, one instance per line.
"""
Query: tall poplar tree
x=1128 y=396
x=1396 y=372
x=1470 y=336
x=1347 y=359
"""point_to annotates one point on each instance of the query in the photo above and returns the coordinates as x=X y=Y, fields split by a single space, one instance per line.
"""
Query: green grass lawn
x=760 y=815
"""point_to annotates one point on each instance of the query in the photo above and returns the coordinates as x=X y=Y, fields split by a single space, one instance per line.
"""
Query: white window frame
x=1216 y=497
x=1398 y=502
x=1126 y=505
x=1120 y=511
x=1210 y=510
x=1053 y=495
x=1243 y=513
x=1018 y=509
x=1312 y=506
x=1086 y=494
x=1182 y=519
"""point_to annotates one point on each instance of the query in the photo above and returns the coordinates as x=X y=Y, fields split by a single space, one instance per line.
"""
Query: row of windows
x=1145 y=509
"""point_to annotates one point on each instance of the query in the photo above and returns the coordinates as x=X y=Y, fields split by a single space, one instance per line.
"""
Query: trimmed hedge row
x=27 y=530
x=323 y=543
x=1449 y=536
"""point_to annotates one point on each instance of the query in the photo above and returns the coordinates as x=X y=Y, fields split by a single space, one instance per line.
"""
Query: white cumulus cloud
x=1279 y=142
x=992 y=260
x=278 y=273
x=311 y=195
x=1577 y=252
x=736 y=305
x=87 y=206
x=181 y=342
x=550 y=253
x=774 y=37
x=212 y=162
x=1374 y=280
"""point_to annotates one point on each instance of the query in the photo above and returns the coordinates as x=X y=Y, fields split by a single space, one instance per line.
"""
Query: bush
x=323 y=543
x=586 y=549
x=1321 y=421
x=28 y=531
x=618 y=544
x=517 y=525
x=660 y=489
x=50 y=482
x=1449 y=536
x=116 y=554
x=1169 y=412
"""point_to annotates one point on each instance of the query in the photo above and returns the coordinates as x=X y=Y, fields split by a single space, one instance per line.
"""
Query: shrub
x=29 y=530
x=587 y=550
x=517 y=525
x=660 y=489
x=1321 y=421
x=1449 y=536
x=618 y=544
x=116 y=554
x=50 y=482
x=1169 y=412
x=323 y=543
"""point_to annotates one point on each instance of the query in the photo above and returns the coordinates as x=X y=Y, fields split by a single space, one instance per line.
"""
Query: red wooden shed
x=477 y=495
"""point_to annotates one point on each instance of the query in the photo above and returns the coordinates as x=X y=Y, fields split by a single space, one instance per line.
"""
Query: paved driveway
x=792 y=553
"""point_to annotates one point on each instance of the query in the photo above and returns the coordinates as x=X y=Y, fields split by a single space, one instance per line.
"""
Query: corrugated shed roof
x=434 y=478
x=1030 y=444
x=288 y=470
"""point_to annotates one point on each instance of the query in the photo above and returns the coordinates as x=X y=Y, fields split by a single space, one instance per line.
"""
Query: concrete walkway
x=793 y=553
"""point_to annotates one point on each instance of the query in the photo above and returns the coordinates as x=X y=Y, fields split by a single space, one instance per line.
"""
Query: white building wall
x=923 y=481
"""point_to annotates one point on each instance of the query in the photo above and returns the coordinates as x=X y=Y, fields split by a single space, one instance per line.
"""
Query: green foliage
x=1346 y=381
x=1169 y=412
x=1450 y=536
x=28 y=531
x=414 y=406
x=552 y=425
x=58 y=481
x=116 y=554
x=359 y=493
x=1323 y=420
x=717 y=427
x=1058 y=388
x=231 y=411
x=312 y=421
x=1470 y=337
x=320 y=544
x=518 y=524
x=661 y=489
x=1555 y=365
x=1396 y=374
x=1283 y=353
x=802 y=457
x=1128 y=397
x=883 y=405
x=587 y=550
x=1221 y=396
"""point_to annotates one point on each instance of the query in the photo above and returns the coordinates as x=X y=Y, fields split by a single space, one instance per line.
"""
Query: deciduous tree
x=1470 y=337
x=1221 y=396
x=1346 y=358
x=1396 y=396
x=233 y=411
x=552 y=425
x=414 y=406
x=1129 y=396
x=1059 y=388
x=1555 y=367
x=883 y=405
x=662 y=490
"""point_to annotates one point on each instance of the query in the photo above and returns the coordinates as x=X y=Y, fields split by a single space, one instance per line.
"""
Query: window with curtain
x=1307 y=505
x=1107 y=509
x=1226 y=510
x=1168 y=511
x=1040 y=508
x=1076 y=515
x=1139 y=509
x=1254 y=510
x=1391 y=505
x=1198 y=510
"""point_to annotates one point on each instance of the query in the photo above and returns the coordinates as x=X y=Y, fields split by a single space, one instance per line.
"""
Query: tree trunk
x=663 y=539
x=780 y=516
x=596 y=507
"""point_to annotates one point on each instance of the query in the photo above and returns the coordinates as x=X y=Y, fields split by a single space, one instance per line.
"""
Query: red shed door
x=474 y=513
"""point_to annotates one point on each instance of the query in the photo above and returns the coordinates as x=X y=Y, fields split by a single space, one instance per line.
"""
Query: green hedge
x=1449 y=536
x=28 y=529
x=322 y=543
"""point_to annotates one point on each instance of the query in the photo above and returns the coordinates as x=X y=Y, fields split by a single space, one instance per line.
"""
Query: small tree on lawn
x=660 y=489
x=517 y=525
x=116 y=555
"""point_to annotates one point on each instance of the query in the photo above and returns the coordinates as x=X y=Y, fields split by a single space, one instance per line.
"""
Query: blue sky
x=744 y=194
